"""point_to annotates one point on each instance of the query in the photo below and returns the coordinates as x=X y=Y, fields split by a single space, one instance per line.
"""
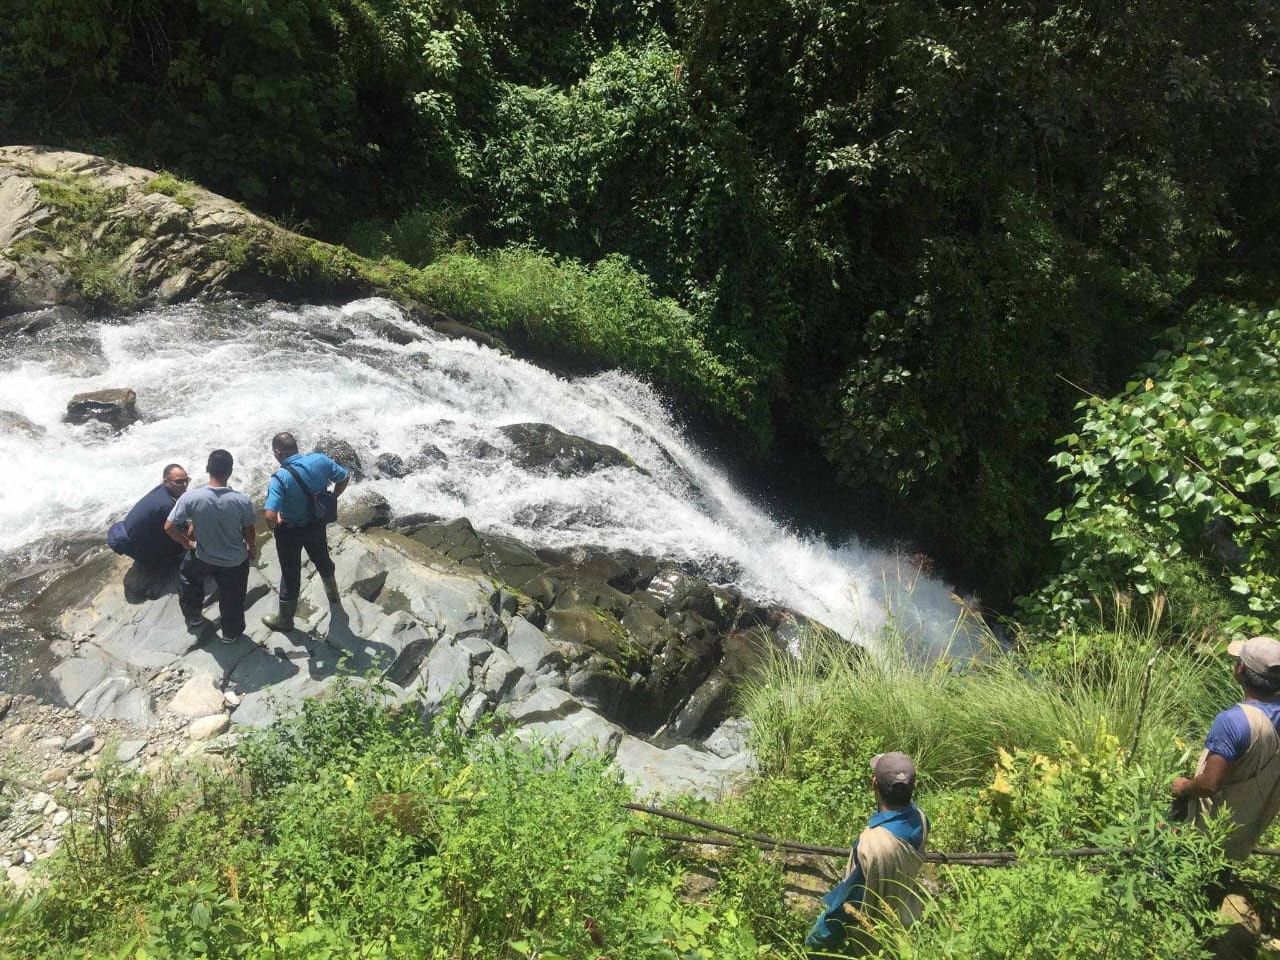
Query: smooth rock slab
x=680 y=770
x=530 y=648
x=582 y=730
x=447 y=672
x=128 y=749
x=198 y=697
x=81 y=740
x=206 y=727
x=542 y=706
x=119 y=698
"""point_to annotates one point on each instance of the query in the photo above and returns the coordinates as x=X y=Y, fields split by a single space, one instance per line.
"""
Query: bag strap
x=311 y=502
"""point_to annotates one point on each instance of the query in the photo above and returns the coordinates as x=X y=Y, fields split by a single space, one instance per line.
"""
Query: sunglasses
x=182 y=483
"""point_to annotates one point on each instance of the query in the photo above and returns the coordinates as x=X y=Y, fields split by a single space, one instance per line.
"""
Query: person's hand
x=1179 y=785
x=253 y=553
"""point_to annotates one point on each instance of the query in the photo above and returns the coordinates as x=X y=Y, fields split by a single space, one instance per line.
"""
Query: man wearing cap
x=1240 y=766
x=883 y=863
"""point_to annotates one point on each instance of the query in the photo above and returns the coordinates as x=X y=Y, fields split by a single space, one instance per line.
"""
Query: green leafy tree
x=1173 y=483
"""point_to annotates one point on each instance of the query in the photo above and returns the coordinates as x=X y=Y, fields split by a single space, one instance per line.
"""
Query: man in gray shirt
x=215 y=525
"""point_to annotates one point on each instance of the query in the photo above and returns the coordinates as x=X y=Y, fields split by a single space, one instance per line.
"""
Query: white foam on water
x=233 y=376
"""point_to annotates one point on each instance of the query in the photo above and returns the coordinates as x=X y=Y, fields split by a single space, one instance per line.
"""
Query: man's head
x=219 y=465
x=284 y=445
x=894 y=777
x=1257 y=664
x=175 y=480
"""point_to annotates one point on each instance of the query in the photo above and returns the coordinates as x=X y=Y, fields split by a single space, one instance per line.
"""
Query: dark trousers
x=290 y=542
x=232 y=584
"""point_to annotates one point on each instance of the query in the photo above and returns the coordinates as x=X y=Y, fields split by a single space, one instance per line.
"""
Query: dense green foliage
x=351 y=829
x=892 y=223
x=1015 y=755
x=1172 y=485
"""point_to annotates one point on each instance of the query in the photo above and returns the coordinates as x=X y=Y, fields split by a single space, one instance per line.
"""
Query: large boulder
x=115 y=407
x=343 y=452
x=541 y=447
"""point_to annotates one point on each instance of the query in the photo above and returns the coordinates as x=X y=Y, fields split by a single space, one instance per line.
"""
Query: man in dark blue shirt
x=290 y=511
x=141 y=534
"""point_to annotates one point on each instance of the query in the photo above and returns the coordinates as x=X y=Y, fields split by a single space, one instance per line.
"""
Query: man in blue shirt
x=215 y=525
x=290 y=510
x=883 y=863
x=140 y=534
x=1239 y=770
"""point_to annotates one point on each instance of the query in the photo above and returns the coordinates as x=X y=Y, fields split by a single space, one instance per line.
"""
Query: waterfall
x=233 y=375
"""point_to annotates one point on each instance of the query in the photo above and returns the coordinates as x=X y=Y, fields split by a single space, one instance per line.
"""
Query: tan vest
x=1251 y=792
x=889 y=871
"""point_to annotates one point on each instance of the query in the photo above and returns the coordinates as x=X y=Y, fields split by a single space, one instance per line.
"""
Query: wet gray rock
x=391 y=466
x=393 y=332
x=334 y=336
x=428 y=456
x=115 y=407
x=364 y=509
x=456 y=540
x=461 y=331
x=343 y=453
x=17 y=423
x=542 y=447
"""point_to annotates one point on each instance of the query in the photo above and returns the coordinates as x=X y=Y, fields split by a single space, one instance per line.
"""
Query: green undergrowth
x=1014 y=752
x=353 y=830
x=169 y=185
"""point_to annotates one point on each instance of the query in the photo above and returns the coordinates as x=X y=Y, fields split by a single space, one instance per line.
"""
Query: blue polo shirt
x=286 y=498
x=1229 y=735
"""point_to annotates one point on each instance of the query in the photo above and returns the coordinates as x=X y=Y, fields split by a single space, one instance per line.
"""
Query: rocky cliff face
x=84 y=232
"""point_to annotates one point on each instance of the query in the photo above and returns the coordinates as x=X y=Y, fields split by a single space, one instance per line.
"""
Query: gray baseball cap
x=894 y=772
x=1259 y=654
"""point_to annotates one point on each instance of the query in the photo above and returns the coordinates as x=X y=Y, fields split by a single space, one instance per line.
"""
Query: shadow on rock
x=356 y=653
x=143 y=582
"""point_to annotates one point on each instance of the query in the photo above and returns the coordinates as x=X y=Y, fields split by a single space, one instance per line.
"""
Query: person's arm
x=181 y=534
x=251 y=540
x=339 y=476
x=275 y=500
x=1207 y=782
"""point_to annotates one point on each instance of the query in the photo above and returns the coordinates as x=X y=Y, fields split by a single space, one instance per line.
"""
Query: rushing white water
x=232 y=376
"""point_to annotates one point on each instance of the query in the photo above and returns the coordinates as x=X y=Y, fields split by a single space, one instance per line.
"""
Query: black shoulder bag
x=324 y=505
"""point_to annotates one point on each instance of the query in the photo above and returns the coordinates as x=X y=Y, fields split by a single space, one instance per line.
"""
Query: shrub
x=1172 y=484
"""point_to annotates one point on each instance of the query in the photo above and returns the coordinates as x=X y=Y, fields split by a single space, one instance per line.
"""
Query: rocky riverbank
x=635 y=656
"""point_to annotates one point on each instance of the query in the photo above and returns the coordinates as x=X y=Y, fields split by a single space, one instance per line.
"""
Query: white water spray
x=232 y=376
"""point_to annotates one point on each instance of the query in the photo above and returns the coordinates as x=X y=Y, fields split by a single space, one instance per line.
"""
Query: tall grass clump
x=954 y=718
x=604 y=314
